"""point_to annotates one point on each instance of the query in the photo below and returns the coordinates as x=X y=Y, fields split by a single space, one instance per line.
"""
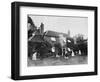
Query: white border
x=24 y=70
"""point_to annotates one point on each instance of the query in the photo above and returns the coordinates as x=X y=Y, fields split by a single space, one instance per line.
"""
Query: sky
x=76 y=25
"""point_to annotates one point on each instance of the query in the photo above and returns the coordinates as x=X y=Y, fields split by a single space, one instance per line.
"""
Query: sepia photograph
x=57 y=40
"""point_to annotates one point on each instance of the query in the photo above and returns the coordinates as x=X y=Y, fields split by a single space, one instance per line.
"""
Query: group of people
x=42 y=50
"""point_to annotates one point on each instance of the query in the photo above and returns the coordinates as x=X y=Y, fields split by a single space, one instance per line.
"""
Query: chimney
x=41 y=28
x=68 y=33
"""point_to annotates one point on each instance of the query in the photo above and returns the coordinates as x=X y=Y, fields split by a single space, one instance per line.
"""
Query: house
x=57 y=40
x=55 y=37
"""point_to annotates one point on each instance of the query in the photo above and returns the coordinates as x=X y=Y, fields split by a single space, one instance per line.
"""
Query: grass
x=53 y=61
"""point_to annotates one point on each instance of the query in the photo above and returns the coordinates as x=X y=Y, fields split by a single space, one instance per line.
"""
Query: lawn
x=52 y=61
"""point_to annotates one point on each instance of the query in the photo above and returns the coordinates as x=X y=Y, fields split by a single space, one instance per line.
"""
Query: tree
x=31 y=27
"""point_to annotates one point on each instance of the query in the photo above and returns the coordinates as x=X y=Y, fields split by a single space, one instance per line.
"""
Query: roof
x=37 y=38
x=54 y=34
